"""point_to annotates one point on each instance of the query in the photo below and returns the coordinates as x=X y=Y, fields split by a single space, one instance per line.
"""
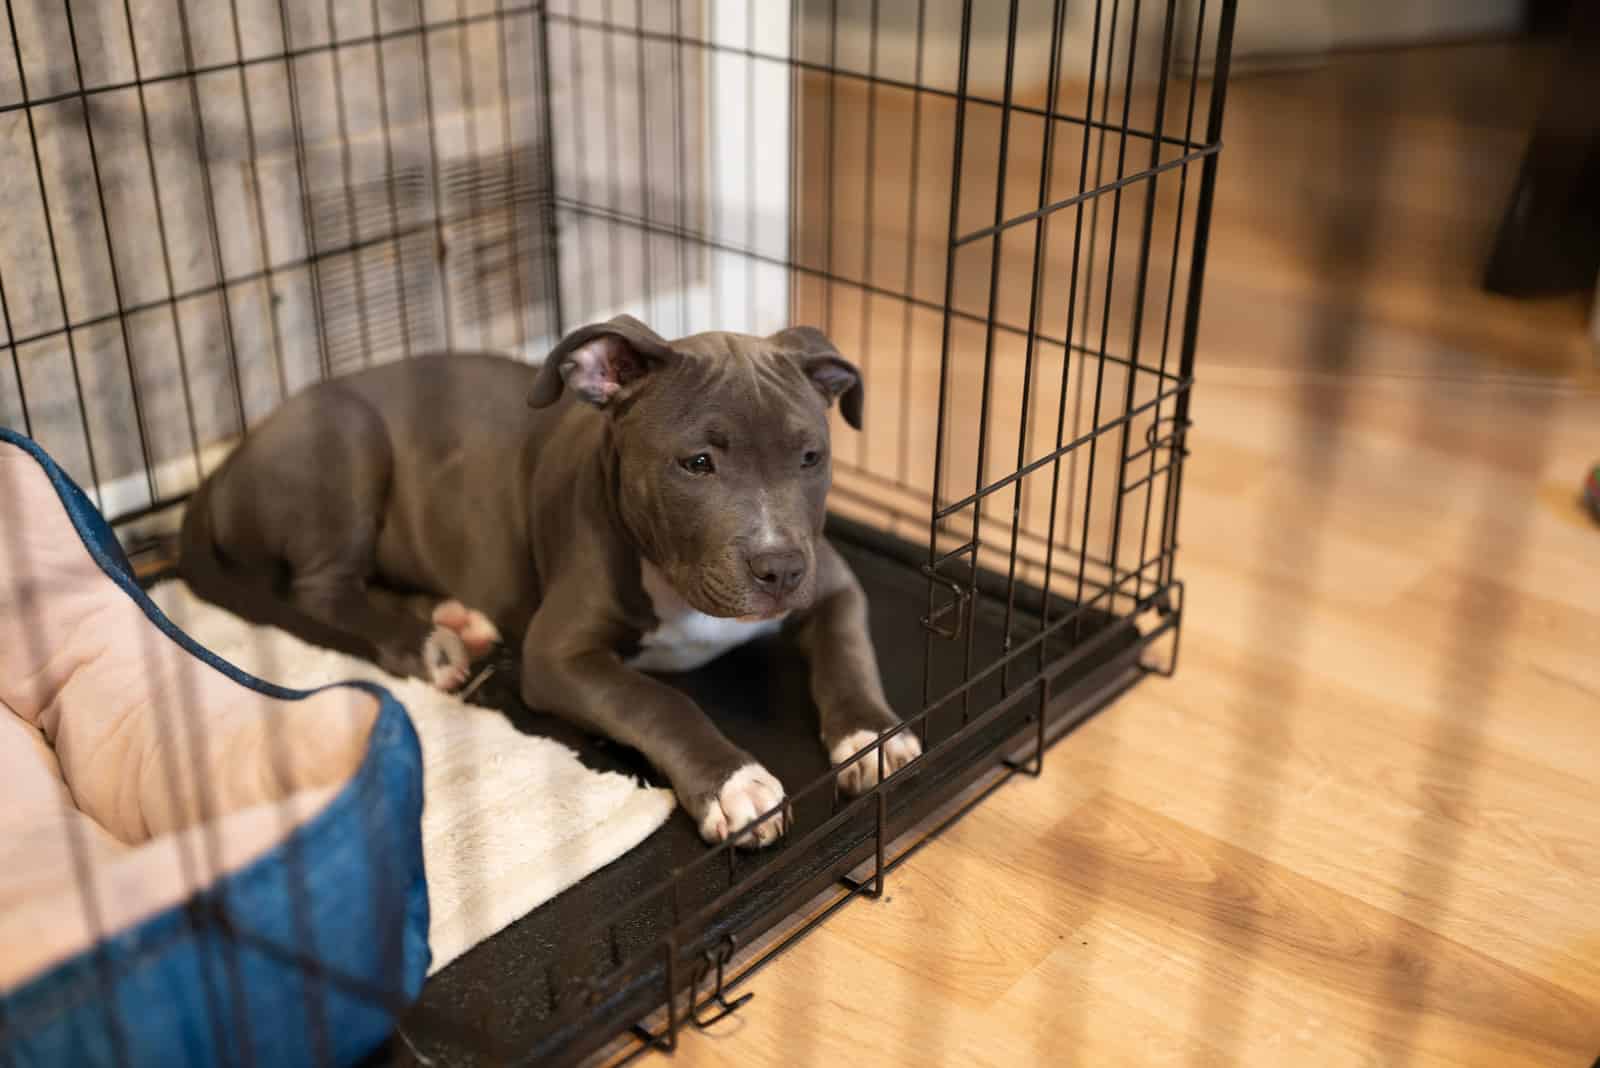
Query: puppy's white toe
x=860 y=774
x=445 y=659
x=748 y=793
x=478 y=633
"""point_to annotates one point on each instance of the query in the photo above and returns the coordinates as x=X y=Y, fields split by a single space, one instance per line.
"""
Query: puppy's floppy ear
x=835 y=377
x=599 y=361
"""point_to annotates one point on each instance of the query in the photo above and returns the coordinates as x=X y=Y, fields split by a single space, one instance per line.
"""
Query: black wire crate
x=998 y=211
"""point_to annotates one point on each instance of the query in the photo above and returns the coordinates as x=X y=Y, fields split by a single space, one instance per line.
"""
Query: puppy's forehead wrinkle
x=774 y=372
x=747 y=390
x=758 y=382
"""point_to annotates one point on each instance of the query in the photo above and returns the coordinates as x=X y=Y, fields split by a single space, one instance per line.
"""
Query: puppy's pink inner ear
x=831 y=378
x=599 y=369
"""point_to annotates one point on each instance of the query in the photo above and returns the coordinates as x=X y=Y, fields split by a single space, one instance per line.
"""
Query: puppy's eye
x=698 y=464
x=810 y=458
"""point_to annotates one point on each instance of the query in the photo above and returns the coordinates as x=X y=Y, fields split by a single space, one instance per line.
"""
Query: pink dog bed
x=195 y=866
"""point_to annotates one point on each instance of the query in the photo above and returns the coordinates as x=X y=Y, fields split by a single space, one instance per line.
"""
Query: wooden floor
x=1362 y=824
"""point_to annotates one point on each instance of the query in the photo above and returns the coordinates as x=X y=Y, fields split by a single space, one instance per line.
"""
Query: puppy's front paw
x=748 y=793
x=477 y=633
x=860 y=774
x=444 y=659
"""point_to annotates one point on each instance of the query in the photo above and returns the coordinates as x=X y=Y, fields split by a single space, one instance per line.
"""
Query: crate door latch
x=935 y=619
x=714 y=960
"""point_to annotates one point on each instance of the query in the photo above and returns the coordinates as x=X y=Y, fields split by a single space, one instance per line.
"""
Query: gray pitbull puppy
x=661 y=503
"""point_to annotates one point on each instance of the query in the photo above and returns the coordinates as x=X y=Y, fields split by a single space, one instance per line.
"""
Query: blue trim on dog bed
x=307 y=955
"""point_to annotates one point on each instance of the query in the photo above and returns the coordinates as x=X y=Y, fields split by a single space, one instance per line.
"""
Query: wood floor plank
x=1379 y=973
x=1359 y=809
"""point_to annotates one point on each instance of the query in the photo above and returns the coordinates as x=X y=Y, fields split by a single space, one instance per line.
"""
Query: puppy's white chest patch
x=685 y=638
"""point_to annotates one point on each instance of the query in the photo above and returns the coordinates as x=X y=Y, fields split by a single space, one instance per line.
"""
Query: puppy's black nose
x=778 y=573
